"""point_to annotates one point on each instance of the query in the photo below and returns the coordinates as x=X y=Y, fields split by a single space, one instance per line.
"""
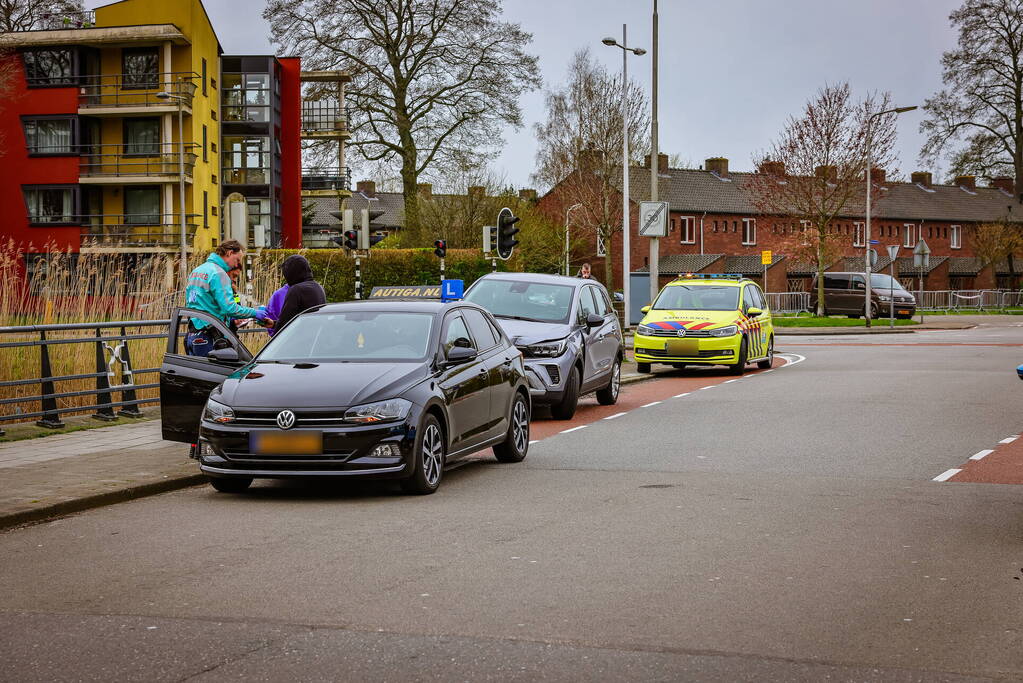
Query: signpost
x=893 y=253
x=653 y=219
x=766 y=258
x=921 y=261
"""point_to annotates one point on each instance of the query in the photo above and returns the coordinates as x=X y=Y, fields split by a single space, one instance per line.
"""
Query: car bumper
x=695 y=351
x=897 y=309
x=547 y=377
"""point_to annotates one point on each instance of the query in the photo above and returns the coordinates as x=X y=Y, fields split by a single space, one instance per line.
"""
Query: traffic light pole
x=358 y=276
x=442 y=269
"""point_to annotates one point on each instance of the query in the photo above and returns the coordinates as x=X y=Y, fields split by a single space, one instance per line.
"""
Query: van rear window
x=836 y=281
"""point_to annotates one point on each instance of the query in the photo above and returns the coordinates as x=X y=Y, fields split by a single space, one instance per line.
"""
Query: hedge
x=335 y=269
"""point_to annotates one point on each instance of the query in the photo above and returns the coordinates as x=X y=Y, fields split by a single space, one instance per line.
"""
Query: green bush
x=335 y=269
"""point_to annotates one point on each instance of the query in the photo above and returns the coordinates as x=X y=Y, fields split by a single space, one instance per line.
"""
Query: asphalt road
x=784 y=526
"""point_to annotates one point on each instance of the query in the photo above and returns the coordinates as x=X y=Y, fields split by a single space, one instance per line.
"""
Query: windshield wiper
x=520 y=317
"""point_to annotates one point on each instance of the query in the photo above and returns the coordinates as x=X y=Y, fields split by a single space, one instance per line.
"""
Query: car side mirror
x=457 y=355
x=228 y=356
x=754 y=312
x=594 y=320
x=645 y=309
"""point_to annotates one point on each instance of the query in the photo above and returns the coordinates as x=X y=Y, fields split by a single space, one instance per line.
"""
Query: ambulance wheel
x=769 y=361
x=643 y=368
x=740 y=366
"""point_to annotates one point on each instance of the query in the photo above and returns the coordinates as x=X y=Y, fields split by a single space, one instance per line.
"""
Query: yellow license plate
x=286 y=443
x=903 y=312
x=683 y=347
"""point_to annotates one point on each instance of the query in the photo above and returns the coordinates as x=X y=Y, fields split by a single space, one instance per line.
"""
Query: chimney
x=829 y=173
x=476 y=191
x=662 y=162
x=367 y=187
x=425 y=190
x=528 y=195
x=967 y=182
x=922 y=178
x=877 y=175
x=717 y=165
x=1005 y=184
x=775 y=168
x=590 y=160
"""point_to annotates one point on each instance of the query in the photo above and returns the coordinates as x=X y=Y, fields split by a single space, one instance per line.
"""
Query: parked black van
x=844 y=292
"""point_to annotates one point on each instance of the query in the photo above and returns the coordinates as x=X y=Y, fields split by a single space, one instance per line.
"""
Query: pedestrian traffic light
x=351 y=239
x=506 y=232
x=440 y=248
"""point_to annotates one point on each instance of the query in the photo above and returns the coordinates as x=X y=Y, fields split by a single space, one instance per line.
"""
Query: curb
x=68 y=507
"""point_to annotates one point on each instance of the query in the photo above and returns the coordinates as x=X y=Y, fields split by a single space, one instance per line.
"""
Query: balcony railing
x=136 y=90
x=324 y=117
x=138 y=159
x=327 y=178
x=136 y=230
x=53 y=21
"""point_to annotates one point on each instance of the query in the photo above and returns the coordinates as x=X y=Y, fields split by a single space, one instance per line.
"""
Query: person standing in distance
x=584 y=271
x=303 y=291
x=209 y=290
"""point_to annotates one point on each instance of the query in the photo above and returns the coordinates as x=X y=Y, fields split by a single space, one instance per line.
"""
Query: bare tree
x=27 y=15
x=580 y=145
x=978 y=117
x=430 y=77
x=816 y=170
x=998 y=241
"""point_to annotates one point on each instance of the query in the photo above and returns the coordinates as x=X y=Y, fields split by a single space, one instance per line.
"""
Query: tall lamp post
x=183 y=266
x=570 y=210
x=866 y=226
x=638 y=51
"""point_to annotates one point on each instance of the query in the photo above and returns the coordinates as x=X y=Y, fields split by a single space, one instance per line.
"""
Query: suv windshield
x=369 y=336
x=698 y=298
x=882 y=281
x=539 y=301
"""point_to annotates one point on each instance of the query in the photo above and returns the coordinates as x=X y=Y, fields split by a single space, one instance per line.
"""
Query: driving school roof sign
x=406 y=292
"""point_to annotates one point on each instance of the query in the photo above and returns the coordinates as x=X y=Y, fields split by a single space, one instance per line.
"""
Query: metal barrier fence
x=968 y=300
x=788 y=302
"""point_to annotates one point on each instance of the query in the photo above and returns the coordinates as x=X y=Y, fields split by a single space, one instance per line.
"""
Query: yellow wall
x=190 y=18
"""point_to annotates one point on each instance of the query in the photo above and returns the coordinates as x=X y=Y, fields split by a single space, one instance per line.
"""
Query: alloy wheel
x=616 y=379
x=520 y=426
x=433 y=454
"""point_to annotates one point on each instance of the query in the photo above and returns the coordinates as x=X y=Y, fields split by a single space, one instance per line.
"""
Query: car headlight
x=883 y=297
x=217 y=412
x=380 y=411
x=551 y=349
x=724 y=331
x=646 y=330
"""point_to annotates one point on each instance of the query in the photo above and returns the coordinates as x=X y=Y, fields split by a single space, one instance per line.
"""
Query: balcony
x=325 y=120
x=126 y=94
x=142 y=163
x=136 y=230
x=56 y=21
x=326 y=181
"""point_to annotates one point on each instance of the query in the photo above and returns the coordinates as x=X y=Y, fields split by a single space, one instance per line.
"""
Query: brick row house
x=714 y=227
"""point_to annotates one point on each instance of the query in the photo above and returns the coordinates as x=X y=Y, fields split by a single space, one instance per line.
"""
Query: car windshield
x=537 y=301
x=882 y=281
x=353 y=336
x=698 y=298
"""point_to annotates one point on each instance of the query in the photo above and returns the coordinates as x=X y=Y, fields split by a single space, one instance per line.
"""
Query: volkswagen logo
x=285 y=419
x=680 y=333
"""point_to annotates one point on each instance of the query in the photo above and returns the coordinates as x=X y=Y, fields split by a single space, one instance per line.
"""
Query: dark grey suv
x=567 y=331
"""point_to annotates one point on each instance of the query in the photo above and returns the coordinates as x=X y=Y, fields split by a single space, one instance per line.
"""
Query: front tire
x=427 y=460
x=231 y=484
x=769 y=361
x=565 y=409
x=740 y=367
x=643 y=368
x=608 y=396
x=515 y=446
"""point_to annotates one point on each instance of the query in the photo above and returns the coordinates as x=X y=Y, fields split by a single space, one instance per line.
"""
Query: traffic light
x=351 y=239
x=489 y=238
x=440 y=248
x=506 y=232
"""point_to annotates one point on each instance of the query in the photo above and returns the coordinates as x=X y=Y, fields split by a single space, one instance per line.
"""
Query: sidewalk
x=64 y=473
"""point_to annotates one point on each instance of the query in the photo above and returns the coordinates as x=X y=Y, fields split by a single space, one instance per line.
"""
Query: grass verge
x=833 y=321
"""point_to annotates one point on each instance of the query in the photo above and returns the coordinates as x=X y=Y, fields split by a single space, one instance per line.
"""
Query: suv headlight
x=551 y=349
x=883 y=297
x=724 y=331
x=646 y=330
x=217 y=412
x=380 y=411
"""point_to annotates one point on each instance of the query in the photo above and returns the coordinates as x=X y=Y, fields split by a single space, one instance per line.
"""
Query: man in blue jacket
x=209 y=289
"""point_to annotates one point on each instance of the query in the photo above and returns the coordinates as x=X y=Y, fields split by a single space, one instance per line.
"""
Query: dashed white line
x=767 y=371
x=947 y=474
x=680 y=395
x=652 y=403
x=1009 y=440
x=980 y=454
x=710 y=386
x=729 y=381
x=573 y=429
x=611 y=417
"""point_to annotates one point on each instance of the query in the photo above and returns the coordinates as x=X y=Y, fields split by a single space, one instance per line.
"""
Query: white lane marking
x=611 y=417
x=710 y=386
x=729 y=381
x=652 y=403
x=792 y=359
x=1009 y=440
x=680 y=395
x=573 y=429
x=767 y=371
x=534 y=441
x=947 y=474
x=980 y=454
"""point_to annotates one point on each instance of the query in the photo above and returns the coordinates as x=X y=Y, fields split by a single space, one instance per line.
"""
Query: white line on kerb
x=980 y=454
x=767 y=371
x=611 y=417
x=573 y=429
x=680 y=395
x=729 y=381
x=710 y=386
x=947 y=474
x=1009 y=440
x=652 y=403
x=534 y=441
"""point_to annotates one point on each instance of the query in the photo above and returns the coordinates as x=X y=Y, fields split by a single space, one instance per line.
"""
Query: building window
x=715 y=226
x=140 y=68
x=857 y=234
x=49 y=205
x=142 y=137
x=749 y=231
x=50 y=135
x=259 y=221
x=205 y=209
x=204 y=142
x=687 y=227
x=246 y=159
x=735 y=226
x=909 y=237
x=49 y=68
x=957 y=238
x=246 y=97
x=203 y=75
x=142 y=205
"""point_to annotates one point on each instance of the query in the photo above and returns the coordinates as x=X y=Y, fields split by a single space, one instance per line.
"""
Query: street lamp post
x=183 y=266
x=570 y=210
x=866 y=226
x=638 y=51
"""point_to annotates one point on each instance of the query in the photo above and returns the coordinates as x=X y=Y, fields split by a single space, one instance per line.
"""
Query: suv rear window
x=836 y=281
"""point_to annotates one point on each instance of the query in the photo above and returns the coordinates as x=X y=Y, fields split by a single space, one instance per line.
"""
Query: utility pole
x=654 y=167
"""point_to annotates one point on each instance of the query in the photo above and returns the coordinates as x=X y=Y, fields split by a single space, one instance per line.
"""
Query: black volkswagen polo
x=383 y=389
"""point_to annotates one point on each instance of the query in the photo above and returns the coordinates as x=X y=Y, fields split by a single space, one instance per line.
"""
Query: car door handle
x=507 y=361
x=483 y=371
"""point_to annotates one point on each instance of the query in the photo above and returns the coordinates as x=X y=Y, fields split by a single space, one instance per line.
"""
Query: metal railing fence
x=928 y=300
x=788 y=302
x=136 y=90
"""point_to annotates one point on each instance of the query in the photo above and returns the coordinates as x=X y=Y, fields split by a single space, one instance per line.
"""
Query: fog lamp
x=386 y=450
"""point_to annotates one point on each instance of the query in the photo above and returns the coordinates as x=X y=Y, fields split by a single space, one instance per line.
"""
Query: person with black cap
x=303 y=291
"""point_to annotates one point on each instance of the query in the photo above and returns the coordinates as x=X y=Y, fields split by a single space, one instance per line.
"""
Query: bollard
x=103 y=395
x=49 y=405
x=128 y=381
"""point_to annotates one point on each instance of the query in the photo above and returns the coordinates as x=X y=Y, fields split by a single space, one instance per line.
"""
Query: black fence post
x=128 y=380
x=49 y=405
x=102 y=382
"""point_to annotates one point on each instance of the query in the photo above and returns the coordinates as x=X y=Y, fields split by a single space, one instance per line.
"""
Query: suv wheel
x=769 y=361
x=740 y=367
x=643 y=368
x=608 y=396
x=566 y=408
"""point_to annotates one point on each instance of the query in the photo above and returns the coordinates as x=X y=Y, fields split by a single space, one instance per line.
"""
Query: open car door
x=186 y=381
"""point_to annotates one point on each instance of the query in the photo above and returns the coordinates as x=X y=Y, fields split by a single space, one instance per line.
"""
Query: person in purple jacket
x=275 y=304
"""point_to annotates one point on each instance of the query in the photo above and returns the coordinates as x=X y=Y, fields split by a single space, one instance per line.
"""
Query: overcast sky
x=731 y=71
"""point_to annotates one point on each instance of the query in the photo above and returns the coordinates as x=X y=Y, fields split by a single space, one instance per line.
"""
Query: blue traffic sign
x=874 y=242
x=451 y=290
